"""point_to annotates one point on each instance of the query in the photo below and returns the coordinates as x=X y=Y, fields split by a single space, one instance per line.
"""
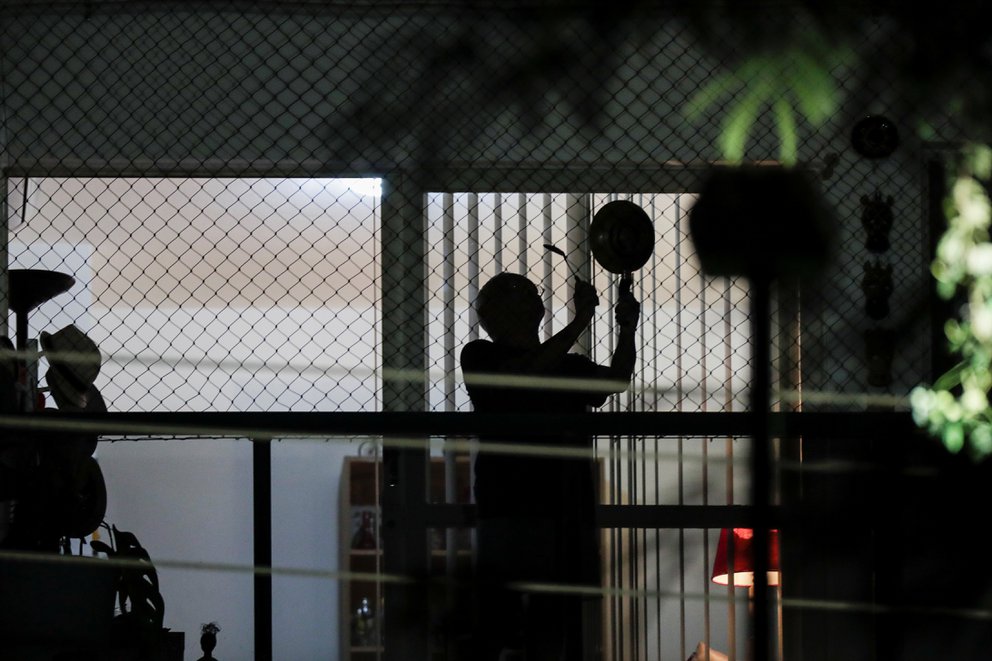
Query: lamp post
x=763 y=223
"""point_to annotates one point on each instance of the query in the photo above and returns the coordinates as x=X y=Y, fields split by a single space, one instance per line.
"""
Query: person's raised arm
x=554 y=349
x=627 y=311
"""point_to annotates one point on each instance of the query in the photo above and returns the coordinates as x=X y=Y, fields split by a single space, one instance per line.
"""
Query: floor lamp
x=734 y=564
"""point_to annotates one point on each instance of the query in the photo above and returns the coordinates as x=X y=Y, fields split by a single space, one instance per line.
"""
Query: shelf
x=371 y=553
x=361 y=482
x=440 y=553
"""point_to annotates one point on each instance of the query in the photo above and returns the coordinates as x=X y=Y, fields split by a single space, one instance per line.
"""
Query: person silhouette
x=536 y=512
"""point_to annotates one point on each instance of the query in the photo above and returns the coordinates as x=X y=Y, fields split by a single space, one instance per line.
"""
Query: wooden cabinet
x=361 y=559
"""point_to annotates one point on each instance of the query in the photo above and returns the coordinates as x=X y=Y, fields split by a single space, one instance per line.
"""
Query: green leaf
x=981 y=161
x=787 y=132
x=946 y=289
x=814 y=88
x=953 y=437
x=951 y=377
x=739 y=120
x=981 y=441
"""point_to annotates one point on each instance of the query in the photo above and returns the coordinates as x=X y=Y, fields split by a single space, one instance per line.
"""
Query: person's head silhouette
x=510 y=309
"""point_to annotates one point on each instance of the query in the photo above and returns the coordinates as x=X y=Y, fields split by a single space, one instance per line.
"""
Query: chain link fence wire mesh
x=213 y=294
x=365 y=88
x=281 y=206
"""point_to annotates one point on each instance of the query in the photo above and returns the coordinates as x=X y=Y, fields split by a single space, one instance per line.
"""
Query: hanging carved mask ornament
x=876 y=218
x=877 y=287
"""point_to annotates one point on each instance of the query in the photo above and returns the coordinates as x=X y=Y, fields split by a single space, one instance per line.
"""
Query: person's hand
x=585 y=300
x=627 y=310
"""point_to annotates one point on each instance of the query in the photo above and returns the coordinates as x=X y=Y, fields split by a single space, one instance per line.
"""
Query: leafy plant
x=796 y=78
x=208 y=638
x=956 y=408
x=142 y=608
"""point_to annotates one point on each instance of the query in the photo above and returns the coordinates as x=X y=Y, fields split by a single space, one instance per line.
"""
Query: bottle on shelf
x=364 y=537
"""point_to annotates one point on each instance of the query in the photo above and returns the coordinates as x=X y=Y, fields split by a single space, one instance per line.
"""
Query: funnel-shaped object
x=29 y=288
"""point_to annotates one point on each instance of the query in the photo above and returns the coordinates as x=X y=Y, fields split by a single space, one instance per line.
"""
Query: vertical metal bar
x=789 y=486
x=636 y=533
x=522 y=223
x=262 y=530
x=4 y=255
x=642 y=443
x=21 y=319
x=448 y=333
x=615 y=496
x=579 y=256
x=704 y=405
x=681 y=399
x=655 y=312
x=448 y=297
x=473 y=266
x=5 y=220
x=760 y=458
x=729 y=468
x=578 y=259
x=404 y=487
x=377 y=296
x=450 y=455
x=655 y=307
x=728 y=346
x=680 y=393
x=624 y=603
x=611 y=331
x=498 y=233
x=547 y=265
x=472 y=248
x=473 y=317
x=403 y=250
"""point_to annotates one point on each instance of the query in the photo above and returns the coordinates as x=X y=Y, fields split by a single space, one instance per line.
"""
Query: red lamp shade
x=743 y=558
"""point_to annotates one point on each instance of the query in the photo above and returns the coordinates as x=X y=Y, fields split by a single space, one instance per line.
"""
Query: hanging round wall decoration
x=875 y=137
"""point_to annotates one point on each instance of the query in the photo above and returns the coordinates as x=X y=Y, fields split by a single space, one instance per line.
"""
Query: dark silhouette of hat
x=64 y=392
x=74 y=363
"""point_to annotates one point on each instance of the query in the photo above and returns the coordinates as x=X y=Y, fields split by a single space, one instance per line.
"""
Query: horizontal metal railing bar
x=874 y=424
x=463 y=515
x=674 y=517
x=679 y=516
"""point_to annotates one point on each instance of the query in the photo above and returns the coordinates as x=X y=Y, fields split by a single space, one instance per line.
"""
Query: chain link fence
x=221 y=183
x=348 y=89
